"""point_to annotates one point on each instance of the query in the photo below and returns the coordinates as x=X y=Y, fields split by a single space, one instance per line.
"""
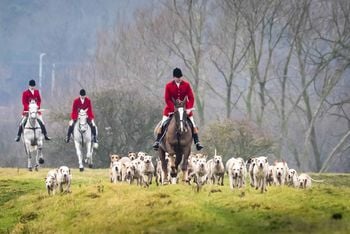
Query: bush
x=125 y=121
x=236 y=139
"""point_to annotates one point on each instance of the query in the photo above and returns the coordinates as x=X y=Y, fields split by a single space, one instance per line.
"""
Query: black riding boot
x=93 y=132
x=70 y=131
x=196 y=141
x=43 y=130
x=156 y=143
x=20 y=130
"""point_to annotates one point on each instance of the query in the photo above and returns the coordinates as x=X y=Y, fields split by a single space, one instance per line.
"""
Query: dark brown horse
x=177 y=143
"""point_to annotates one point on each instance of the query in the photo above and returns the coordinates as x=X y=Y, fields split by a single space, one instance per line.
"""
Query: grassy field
x=97 y=206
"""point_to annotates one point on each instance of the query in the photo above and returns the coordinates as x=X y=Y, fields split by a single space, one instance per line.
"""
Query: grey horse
x=33 y=137
x=83 y=139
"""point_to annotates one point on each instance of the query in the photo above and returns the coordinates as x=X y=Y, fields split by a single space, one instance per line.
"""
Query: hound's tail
x=319 y=181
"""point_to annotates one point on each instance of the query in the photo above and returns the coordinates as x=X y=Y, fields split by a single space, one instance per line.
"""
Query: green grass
x=97 y=206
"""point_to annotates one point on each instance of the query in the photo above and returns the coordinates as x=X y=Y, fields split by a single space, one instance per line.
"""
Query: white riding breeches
x=192 y=120
x=164 y=119
x=71 y=122
x=40 y=117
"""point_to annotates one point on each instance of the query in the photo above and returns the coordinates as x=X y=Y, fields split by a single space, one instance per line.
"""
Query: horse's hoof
x=90 y=165
x=41 y=160
x=81 y=169
x=165 y=182
x=30 y=169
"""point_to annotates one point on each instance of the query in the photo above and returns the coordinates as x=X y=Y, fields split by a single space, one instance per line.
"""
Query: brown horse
x=177 y=143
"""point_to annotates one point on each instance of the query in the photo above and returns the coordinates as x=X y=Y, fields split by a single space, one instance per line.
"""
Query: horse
x=33 y=137
x=177 y=143
x=83 y=138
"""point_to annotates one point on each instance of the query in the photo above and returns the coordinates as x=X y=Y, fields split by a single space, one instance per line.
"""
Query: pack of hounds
x=138 y=168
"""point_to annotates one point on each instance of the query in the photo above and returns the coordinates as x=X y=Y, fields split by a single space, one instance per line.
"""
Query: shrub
x=233 y=138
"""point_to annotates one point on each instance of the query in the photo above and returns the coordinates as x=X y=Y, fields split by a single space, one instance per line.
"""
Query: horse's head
x=180 y=115
x=33 y=109
x=82 y=117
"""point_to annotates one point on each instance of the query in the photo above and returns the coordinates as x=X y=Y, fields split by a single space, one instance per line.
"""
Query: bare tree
x=260 y=18
x=318 y=66
x=184 y=25
x=228 y=53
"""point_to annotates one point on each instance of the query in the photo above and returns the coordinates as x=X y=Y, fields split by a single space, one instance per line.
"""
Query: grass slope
x=97 y=206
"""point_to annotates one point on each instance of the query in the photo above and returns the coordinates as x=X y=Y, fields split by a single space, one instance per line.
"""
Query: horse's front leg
x=79 y=154
x=36 y=159
x=173 y=168
x=29 y=155
x=89 y=151
x=164 y=165
x=185 y=165
x=30 y=168
x=40 y=158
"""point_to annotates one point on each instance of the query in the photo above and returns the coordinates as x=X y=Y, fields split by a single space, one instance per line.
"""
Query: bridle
x=181 y=120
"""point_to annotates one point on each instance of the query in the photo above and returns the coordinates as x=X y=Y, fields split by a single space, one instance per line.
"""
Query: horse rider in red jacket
x=28 y=95
x=176 y=89
x=82 y=102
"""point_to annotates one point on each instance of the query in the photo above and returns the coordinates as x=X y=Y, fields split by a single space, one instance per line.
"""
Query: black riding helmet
x=82 y=92
x=32 y=83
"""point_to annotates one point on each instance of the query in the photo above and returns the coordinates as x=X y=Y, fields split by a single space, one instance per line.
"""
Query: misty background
x=270 y=77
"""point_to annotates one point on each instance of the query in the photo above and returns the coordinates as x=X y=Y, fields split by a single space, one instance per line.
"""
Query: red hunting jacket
x=27 y=96
x=77 y=105
x=174 y=92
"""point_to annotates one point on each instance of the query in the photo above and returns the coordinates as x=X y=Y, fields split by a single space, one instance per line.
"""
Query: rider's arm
x=25 y=101
x=90 y=112
x=38 y=98
x=74 y=113
x=167 y=96
x=190 y=96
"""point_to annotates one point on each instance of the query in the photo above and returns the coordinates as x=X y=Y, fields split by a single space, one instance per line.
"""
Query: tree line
x=278 y=65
